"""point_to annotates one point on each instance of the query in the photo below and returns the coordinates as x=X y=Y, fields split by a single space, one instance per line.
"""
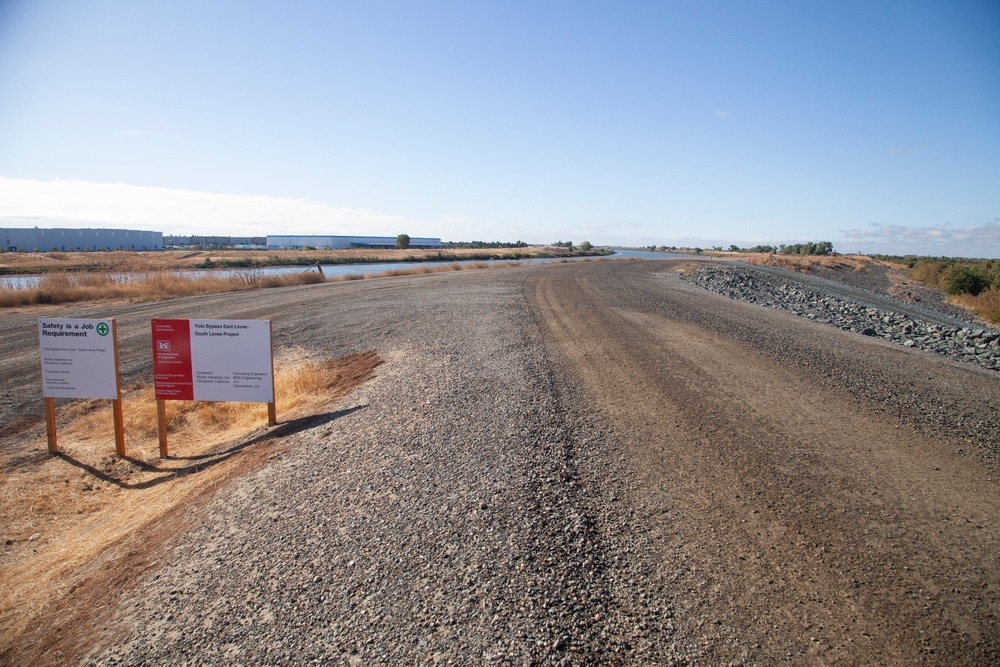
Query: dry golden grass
x=81 y=515
x=144 y=287
x=985 y=304
x=804 y=264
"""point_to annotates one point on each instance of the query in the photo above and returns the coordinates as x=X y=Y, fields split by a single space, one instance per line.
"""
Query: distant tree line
x=485 y=244
x=586 y=246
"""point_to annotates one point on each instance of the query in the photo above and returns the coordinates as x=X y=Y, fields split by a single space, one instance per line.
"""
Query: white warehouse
x=342 y=242
x=44 y=240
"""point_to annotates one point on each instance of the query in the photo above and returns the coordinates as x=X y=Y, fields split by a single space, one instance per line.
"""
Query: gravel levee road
x=589 y=463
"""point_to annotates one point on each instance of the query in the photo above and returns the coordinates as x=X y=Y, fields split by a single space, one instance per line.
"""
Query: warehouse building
x=45 y=240
x=214 y=242
x=343 y=242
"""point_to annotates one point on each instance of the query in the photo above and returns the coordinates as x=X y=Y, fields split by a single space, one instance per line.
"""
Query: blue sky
x=875 y=125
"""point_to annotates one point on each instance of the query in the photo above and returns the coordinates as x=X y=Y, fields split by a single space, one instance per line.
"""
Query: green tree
x=965 y=280
x=585 y=246
x=403 y=241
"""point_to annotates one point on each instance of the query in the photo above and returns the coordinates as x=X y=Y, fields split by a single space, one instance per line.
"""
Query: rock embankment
x=970 y=344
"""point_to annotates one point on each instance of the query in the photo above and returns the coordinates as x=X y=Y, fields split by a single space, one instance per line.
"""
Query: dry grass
x=804 y=264
x=985 y=304
x=57 y=288
x=69 y=518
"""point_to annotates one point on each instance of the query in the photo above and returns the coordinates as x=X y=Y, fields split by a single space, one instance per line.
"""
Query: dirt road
x=789 y=520
x=589 y=463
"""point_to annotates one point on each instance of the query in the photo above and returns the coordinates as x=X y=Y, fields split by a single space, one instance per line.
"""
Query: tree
x=585 y=246
x=810 y=248
x=965 y=280
x=403 y=241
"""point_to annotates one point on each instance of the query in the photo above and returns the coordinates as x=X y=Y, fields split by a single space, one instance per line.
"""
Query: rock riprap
x=972 y=344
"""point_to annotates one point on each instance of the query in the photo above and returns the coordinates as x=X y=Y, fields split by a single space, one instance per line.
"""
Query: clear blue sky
x=872 y=124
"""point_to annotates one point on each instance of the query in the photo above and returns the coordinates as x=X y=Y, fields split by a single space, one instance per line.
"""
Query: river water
x=367 y=270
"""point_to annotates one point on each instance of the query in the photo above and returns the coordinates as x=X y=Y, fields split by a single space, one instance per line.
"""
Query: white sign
x=213 y=360
x=78 y=358
x=231 y=360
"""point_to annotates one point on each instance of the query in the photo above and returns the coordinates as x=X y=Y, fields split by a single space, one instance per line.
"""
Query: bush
x=965 y=280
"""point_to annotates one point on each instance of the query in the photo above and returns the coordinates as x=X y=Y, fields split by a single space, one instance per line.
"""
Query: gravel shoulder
x=592 y=463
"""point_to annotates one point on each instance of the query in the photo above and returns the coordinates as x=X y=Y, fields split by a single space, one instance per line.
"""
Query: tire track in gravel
x=790 y=522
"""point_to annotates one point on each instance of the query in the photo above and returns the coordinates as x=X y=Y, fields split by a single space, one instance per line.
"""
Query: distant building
x=343 y=242
x=214 y=242
x=44 y=240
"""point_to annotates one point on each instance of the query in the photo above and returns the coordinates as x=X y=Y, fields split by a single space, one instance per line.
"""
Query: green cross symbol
x=102 y=329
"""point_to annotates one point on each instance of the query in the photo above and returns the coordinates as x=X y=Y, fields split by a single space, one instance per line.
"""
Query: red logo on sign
x=173 y=378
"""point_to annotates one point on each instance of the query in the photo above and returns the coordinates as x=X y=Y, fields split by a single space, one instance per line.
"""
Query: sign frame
x=190 y=364
x=107 y=371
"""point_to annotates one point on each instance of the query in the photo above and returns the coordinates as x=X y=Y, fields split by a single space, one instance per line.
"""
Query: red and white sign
x=213 y=360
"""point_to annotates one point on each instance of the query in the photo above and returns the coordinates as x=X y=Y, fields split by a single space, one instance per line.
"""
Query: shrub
x=965 y=280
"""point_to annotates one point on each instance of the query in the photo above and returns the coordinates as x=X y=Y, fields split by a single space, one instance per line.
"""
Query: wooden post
x=272 y=408
x=50 y=423
x=161 y=423
x=116 y=410
x=116 y=403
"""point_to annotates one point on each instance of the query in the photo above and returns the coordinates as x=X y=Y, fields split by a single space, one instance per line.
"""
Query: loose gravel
x=437 y=517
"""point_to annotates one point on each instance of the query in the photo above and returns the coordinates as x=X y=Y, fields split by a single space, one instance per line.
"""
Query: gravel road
x=589 y=463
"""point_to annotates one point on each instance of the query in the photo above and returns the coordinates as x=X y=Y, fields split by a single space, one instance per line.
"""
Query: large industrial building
x=342 y=242
x=214 y=242
x=44 y=240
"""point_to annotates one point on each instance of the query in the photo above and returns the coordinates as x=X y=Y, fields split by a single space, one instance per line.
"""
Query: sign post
x=212 y=360
x=80 y=360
